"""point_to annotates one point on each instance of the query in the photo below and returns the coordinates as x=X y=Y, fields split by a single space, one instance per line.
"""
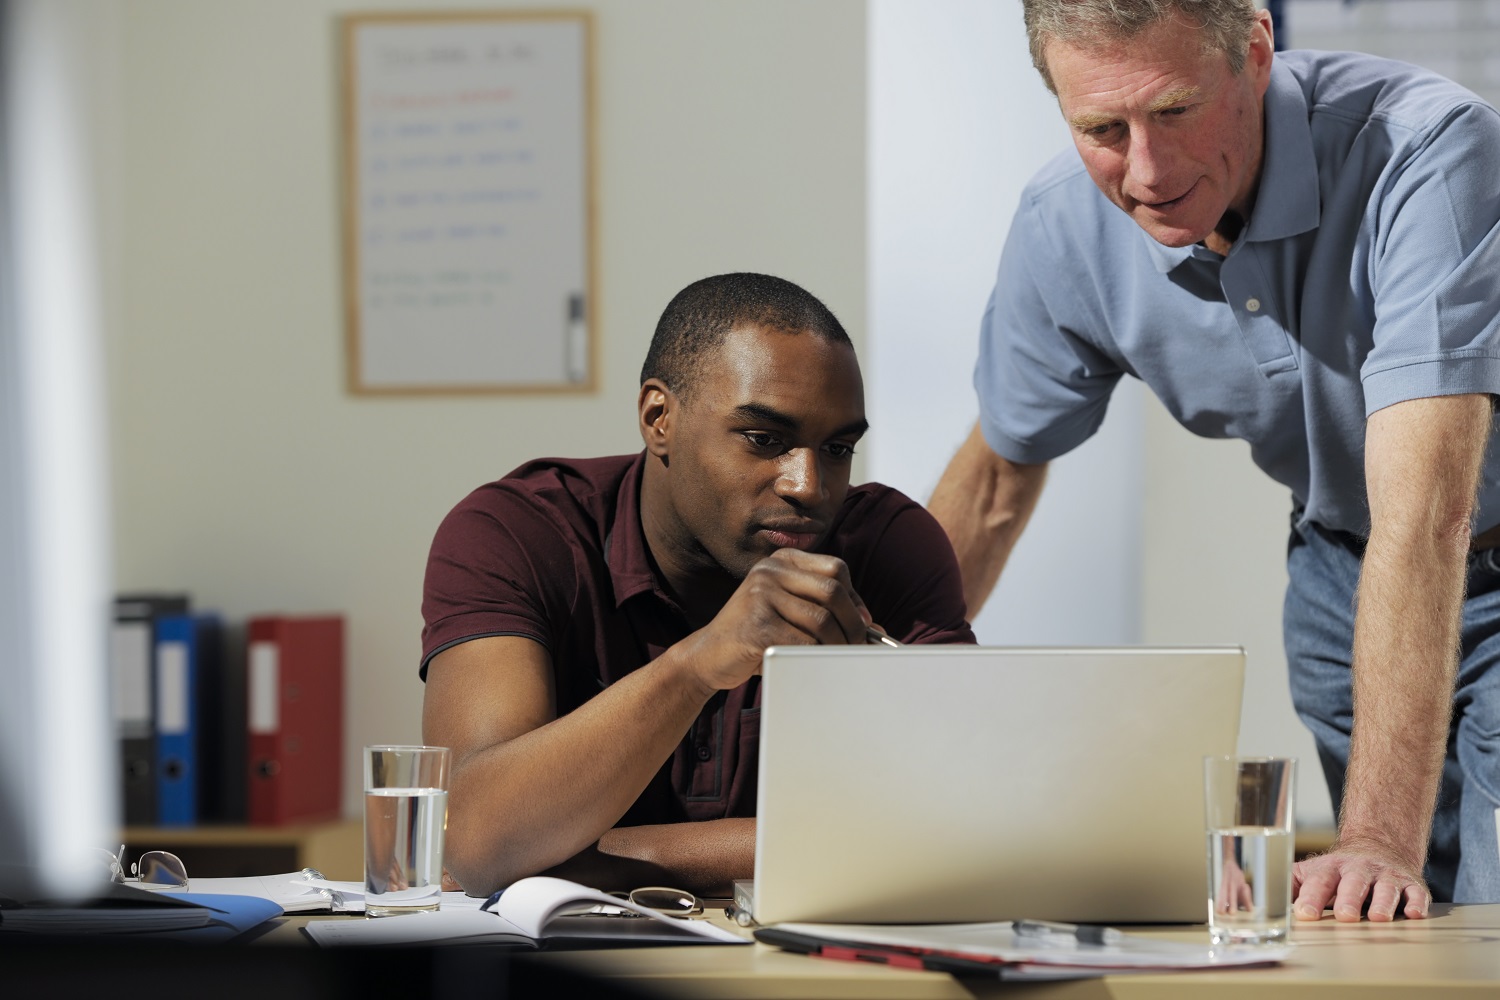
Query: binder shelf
x=333 y=848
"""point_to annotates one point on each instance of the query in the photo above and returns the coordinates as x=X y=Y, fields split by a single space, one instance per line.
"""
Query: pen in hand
x=874 y=636
x=1082 y=933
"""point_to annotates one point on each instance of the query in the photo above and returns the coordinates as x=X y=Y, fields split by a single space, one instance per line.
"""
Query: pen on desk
x=873 y=636
x=739 y=916
x=1083 y=933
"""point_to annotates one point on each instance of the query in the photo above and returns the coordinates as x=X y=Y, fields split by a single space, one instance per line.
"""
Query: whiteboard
x=468 y=222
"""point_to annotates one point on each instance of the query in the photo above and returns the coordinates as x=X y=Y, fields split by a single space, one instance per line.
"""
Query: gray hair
x=1226 y=24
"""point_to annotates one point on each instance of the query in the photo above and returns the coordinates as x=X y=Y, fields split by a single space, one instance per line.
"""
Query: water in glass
x=1250 y=879
x=404 y=849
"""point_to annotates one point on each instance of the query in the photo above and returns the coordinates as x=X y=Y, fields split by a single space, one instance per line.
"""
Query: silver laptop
x=965 y=783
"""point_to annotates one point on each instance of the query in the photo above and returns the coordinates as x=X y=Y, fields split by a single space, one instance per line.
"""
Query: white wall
x=1456 y=38
x=1214 y=537
x=1144 y=534
x=730 y=137
x=959 y=121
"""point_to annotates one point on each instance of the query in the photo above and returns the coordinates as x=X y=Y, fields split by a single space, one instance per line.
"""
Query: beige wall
x=730 y=136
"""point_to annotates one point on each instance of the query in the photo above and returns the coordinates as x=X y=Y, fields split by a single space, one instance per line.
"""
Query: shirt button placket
x=1267 y=342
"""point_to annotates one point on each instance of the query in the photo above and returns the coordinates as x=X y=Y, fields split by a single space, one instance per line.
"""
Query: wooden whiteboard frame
x=353 y=266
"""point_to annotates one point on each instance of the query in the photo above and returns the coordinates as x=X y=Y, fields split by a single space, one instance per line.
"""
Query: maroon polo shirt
x=555 y=552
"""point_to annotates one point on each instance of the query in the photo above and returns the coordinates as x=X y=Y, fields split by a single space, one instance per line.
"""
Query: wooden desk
x=1454 y=953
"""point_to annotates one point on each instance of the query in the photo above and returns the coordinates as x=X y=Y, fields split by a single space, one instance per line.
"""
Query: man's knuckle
x=758 y=614
x=761 y=581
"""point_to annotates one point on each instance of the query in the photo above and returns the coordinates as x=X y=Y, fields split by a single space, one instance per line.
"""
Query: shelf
x=334 y=848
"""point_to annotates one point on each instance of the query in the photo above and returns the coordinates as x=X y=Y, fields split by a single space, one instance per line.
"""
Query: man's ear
x=657 y=407
x=1261 y=51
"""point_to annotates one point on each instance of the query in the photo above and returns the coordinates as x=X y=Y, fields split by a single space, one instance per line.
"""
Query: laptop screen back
x=962 y=783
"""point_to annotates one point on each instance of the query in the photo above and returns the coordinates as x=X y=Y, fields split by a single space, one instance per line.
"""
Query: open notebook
x=535 y=912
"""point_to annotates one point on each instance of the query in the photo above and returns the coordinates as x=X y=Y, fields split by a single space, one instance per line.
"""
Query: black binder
x=222 y=734
x=133 y=665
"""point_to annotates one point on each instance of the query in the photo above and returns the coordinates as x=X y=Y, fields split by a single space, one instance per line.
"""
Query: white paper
x=532 y=904
x=422 y=927
x=997 y=940
x=293 y=892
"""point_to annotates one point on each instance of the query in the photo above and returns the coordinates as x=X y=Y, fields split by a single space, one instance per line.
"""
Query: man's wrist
x=679 y=663
x=1365 y=839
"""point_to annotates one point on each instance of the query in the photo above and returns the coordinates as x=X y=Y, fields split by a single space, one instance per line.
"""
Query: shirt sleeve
x=906 y=573
x=1043 y=387
x=483 y=580
x=1433 y=267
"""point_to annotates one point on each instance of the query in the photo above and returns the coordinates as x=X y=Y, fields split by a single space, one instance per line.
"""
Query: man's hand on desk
x=1351 y=873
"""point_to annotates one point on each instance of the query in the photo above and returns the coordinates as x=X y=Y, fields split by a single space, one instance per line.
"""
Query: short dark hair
x=700 y=316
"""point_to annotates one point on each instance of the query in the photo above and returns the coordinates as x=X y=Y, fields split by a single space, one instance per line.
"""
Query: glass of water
x=1248 y=813
x=406 y=814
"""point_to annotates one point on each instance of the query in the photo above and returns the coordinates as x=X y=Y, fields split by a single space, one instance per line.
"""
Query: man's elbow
x=470 y=865
x=485 y=860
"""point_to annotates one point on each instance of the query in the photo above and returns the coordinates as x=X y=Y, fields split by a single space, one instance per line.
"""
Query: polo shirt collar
x=626 y=552
x=1165 y=258
x=1288 y=202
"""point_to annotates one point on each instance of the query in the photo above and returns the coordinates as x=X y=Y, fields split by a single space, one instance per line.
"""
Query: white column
x=959 y=121
x=56 y=738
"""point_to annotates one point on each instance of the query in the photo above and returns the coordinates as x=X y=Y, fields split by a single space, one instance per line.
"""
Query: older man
x=1299 y=250
x=595 y=626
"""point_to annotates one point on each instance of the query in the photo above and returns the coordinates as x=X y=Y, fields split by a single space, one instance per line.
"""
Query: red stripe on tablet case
x=897 y=959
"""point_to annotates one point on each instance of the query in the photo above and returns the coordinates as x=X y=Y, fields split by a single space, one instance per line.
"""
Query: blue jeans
x=1463 y=863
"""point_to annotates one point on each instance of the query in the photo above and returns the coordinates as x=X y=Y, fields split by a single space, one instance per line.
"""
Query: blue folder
x=185 y=648
x=233 y=916
x=203 y=918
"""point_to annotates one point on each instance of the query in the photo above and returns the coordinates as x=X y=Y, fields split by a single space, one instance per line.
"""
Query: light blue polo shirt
x=1368 y=274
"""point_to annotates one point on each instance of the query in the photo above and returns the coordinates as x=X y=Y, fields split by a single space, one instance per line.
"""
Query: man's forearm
x=1422 y=461
x=983 y=503
x=703 y=857
x=510 y=816
x=1406 y=637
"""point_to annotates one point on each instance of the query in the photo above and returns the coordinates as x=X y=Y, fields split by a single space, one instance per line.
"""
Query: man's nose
x=1147 y=161
x=801 y=480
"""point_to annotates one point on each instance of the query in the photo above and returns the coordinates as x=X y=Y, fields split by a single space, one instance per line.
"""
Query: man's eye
x=1182 y=110
x=760 y=439
x=839 y=449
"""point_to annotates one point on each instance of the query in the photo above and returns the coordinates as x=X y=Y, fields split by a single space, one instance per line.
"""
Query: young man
x=594 y=628
x=1300 y=251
